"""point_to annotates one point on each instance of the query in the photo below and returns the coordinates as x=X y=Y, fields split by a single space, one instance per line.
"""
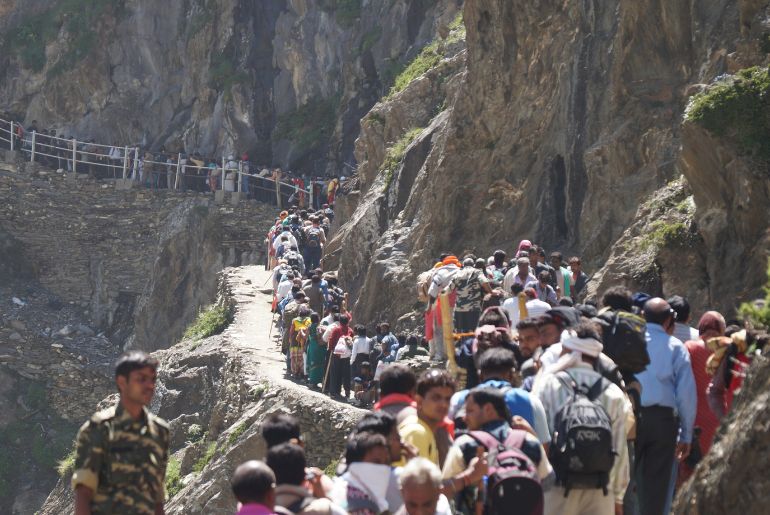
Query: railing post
x=223 y=173
x=240 y=176
x=74 y=154
x=125 y=163
x=136 y=164
x=278 y=193
x=32 y=152
x=13 y=135
x=178 y=170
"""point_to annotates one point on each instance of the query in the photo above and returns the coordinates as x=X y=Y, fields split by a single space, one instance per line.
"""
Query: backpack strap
x=489 y=442
x=597 y=388
x=515 y=439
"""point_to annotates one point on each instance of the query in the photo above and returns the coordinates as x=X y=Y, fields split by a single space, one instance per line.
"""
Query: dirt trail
x=250 y=330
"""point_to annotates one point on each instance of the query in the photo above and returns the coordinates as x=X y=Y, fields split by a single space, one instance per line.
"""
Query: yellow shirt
x=416 y=432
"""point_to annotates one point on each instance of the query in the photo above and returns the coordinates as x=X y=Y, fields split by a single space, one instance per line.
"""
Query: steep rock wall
x=285 y=80
x=138 y=263
x=567 y=117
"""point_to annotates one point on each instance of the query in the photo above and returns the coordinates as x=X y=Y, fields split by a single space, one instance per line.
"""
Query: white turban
x=578 y=346
x=588 y=346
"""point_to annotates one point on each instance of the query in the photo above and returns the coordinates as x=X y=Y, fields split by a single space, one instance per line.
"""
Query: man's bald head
x=254 y=482
x=657 y=311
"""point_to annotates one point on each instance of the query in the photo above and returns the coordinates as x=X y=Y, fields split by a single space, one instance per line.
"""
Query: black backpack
x=313 y=237
x=299 y=235
x=624 y=340
x=292 y=259
x=512 y=479
x=581 y=451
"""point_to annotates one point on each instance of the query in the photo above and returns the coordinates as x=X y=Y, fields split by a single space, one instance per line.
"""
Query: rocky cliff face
x=564 y=120
x=215 y=393
x=729 y=479
x=285 y=80
x=85 y=271
x=130 y=260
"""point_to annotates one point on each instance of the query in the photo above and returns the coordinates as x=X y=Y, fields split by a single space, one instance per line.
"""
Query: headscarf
x=579 y=347
x=283 y=215
x=523 y=246
x=451 y=260
x=712 y=321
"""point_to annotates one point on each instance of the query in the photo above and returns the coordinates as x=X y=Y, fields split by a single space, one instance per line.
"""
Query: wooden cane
x=326 y=375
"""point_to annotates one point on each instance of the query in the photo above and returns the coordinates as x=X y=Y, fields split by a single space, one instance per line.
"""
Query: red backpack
x=513 y=479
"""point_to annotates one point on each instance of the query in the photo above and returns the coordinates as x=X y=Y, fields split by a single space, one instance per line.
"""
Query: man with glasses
x=668 y=404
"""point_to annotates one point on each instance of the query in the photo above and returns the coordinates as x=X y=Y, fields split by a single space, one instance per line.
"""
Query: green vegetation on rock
x=223 y=74
x=194 y=432
x=67 y=464
x=395 y=154
x=173 y=476
x=310 y=125
x=429 y=57
x=212 y=320
x=667 y=234
x=211 y=450
x=758 y=314
x=76 y=20
x=737 y=108
x=237 y=432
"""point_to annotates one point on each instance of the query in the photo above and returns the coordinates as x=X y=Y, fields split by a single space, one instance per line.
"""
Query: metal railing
x=176 y=172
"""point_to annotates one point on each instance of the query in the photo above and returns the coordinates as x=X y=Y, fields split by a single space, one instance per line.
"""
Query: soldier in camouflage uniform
x=122 y=451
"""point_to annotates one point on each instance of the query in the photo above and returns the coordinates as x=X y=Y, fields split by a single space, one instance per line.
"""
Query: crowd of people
x=536 y=400
x=541 y=366
x=164 y=169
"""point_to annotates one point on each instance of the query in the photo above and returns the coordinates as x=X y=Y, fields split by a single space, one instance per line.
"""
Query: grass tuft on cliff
x=173 y=477
x=429 y=57
x=211 y=450
x=737 y=107
x=758 y=314
x=212 y=320
x=395 y=154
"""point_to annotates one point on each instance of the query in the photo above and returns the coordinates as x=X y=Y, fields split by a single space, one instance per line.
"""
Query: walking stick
x=326 y=375
x=272 y=324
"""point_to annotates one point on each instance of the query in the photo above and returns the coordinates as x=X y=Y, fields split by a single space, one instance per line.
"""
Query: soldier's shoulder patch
x=104 y=415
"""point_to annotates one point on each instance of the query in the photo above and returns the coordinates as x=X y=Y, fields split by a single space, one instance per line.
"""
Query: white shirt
x=284 y=288
x=511 y=306
x=684 y=332
x=512 y=277
x=277 y=242
x=361 y=345
x=442 y=277
x=553 y=394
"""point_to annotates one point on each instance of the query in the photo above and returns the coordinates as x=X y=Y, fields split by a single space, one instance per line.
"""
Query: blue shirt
x=668 y=380
x=519 y=402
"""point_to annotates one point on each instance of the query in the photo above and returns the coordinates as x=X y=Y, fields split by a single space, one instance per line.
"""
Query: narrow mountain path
x=250 y=331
